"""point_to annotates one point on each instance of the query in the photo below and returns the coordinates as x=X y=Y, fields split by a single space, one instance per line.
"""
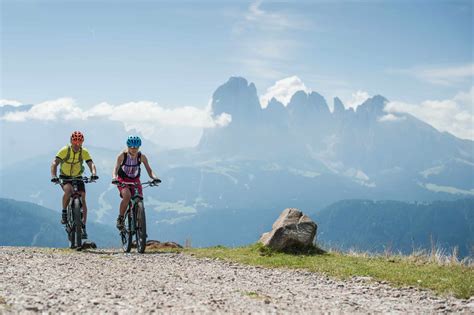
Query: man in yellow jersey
x=70 y=158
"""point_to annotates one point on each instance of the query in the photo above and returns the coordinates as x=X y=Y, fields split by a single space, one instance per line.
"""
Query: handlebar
x=83 y=179
x=149 y=183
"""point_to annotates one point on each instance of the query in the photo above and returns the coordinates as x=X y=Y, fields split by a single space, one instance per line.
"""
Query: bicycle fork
x=133 y=228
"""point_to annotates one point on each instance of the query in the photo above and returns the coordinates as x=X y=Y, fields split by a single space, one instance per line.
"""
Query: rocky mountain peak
x=338 y=106
x=236 y=97
x=302 y=104
x=275 y=112
x=373 y=106
x=275 y=105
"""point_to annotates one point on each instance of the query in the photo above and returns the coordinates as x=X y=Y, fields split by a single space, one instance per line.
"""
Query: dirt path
x=100 y=281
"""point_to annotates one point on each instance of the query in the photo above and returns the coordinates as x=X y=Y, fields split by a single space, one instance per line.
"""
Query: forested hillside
x=28 y=224
x=377 y=226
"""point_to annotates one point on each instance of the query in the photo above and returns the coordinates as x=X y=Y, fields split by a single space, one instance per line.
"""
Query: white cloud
x=260 y=68
x=356 y=99
x=447 y=189
x=283 y=90
x=4 y=102
x=60 y=109
x=359 y=177
x=264 y=20
x=440 y=75
x=455 y=115
x=145 y=117
x=264 y=41
x=101 y=110
x=391 y=117
x=275 y=49
x=150 y=112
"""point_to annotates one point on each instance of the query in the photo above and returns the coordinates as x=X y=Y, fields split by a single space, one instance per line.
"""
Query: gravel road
x=108 y=281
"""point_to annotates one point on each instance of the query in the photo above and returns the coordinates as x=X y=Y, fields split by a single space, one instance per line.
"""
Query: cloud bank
x=4 y=102
x=446 y=76
x=283 y=90
x=264 y=40
x=356 y=99
x=144 y=116
x=454 y=115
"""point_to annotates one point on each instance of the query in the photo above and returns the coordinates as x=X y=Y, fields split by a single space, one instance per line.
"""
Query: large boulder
x=152 y=244
x=89 y=245
x=292 y=230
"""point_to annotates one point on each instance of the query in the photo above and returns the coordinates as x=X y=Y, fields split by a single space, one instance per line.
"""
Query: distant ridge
x=27 y=224
x=266 y=159
x=394 y=226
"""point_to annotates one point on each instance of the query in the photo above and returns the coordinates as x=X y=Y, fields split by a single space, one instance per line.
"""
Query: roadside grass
x=251 y=294
x=4 y=306
x=418 y=270
x=52 y=250
x=255 y=295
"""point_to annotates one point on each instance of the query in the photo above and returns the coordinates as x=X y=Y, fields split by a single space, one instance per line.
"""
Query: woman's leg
x=126 y=196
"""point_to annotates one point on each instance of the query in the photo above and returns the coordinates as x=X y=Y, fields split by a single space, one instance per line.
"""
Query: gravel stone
x=109 y=281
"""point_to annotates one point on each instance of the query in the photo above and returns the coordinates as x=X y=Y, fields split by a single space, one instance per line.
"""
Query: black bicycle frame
x=131 y=227
x=75 y=212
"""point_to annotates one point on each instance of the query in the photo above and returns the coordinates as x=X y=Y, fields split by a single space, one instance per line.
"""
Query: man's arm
x=91 y=165
x=54 y=167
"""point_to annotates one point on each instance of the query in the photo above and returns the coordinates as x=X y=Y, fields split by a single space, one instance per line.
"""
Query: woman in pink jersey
x=127 y=169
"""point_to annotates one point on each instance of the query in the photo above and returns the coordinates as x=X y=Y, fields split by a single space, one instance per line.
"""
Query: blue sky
x=176 y=53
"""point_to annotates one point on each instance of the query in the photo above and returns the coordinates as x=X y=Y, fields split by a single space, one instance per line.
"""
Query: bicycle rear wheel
x=126 y=233
x=141 y=227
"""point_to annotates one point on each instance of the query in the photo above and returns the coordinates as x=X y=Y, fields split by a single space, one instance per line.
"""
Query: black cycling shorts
x=80 y=185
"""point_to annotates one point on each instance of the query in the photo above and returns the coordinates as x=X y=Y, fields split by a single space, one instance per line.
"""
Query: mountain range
x=27 y=224
x=394 y=226
x=362 y=225
x=299 y=154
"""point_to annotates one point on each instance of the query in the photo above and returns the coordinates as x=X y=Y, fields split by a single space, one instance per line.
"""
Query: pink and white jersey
x=131 y=166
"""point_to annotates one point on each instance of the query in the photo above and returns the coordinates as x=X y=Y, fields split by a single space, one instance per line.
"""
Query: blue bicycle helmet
x=134 y=141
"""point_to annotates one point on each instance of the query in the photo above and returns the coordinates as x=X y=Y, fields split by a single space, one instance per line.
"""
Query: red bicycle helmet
x=77 y=138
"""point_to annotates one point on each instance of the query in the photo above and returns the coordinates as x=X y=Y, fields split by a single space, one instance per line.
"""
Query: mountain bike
x=73 y=225
x=134 y=217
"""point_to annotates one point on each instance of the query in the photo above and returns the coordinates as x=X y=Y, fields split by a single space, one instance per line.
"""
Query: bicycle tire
x=126 y=234
x=76 y=213
x=141 y=227
x=71 y=233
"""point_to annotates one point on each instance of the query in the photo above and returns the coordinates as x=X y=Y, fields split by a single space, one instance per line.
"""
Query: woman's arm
x=148 y=168
x=117 y=165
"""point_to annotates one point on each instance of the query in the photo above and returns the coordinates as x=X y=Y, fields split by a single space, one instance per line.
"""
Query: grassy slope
x=455 y=279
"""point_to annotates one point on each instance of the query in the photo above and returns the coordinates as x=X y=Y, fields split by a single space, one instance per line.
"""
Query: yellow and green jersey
x=72 y=162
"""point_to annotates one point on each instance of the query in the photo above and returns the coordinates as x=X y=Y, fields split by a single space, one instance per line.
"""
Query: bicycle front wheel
x=141 y=227
x=70 y=229
x=126 y=233
x=76 y=214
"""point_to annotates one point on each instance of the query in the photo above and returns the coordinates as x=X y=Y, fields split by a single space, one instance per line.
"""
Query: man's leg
x=84 y=214
x=84 y=207
x=67 y=188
